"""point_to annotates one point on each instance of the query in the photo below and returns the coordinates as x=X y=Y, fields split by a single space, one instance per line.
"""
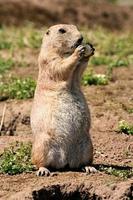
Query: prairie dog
x=60 y=118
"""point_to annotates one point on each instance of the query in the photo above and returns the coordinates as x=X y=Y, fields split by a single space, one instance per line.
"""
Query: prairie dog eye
x=61 y=30
x=47 y=33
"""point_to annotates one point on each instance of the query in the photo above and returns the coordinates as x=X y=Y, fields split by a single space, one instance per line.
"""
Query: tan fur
x=60 y=117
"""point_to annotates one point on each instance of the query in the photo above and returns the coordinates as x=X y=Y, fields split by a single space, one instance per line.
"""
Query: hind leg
x=87 y=158
x=88 y=168
x=39 y=158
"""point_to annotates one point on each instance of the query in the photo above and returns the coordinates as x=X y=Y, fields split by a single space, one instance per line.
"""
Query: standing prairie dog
x=60 y=118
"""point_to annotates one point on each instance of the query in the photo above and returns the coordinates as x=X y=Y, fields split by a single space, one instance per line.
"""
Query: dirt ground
x=110 y=147
x=82 y=12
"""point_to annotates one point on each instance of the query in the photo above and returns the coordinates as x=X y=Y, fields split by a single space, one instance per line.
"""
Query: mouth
x=77 y=43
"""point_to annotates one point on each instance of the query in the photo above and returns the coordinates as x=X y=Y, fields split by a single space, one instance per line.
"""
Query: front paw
x=80 y=51
x=89 y=50
x=84 y=51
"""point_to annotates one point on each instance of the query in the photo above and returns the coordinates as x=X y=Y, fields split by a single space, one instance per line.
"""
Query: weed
x=122 y=173
x=12 y=38
x=119 y=63
x=124 y=127
x=117 y=46
x=31 y=40
x=16 y=159
x=116 y=63
x=17 y=89
x=113 y=1
x=21 y=40
x=35 y=39
x=5 y=42
x=101 y=60
x=94 y=79
x=5 y=64
x=130 y=110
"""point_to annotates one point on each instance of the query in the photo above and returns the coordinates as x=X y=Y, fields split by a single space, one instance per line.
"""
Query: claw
x=43 y=172
x=89 y=170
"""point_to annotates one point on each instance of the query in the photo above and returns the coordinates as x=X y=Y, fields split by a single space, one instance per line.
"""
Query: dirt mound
x=48 y=188
x=65 y=11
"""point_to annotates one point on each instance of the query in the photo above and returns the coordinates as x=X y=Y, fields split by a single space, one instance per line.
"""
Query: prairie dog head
x=61 y=39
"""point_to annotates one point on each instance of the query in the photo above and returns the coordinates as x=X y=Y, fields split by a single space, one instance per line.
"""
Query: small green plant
x=122 y=173
x=124 y=127
x=5 y=42
x=21 y=40
x=102 y=60
x=5 y=64
x=24 y=37
x=35 y=39
x=32 y=40
x=5 y=45
x=130 y=110
x=119 y=63
x=115 y=46
x=113 y=1
x=16 y=159
x=94 y=79
x=116 y=63
x=17 y=89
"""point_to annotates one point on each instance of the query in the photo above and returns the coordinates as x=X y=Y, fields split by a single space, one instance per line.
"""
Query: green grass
x=23 y=37
x=94 y=79
x=8 y=64
x=16 y=159
x=5 y=64
x=17 y=89
x=119 y=63
x=125 y=127
x=100 y=60
x=121 y=173
x=30 y=40
x=35 y=39
x=5 y=42
x=105 y=60
x=117 y=46
x=130 y=110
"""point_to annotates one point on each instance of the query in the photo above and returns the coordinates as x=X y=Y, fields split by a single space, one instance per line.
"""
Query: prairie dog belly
x=72 y=117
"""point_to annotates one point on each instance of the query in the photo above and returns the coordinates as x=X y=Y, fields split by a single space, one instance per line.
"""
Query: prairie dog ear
x=47 y=32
